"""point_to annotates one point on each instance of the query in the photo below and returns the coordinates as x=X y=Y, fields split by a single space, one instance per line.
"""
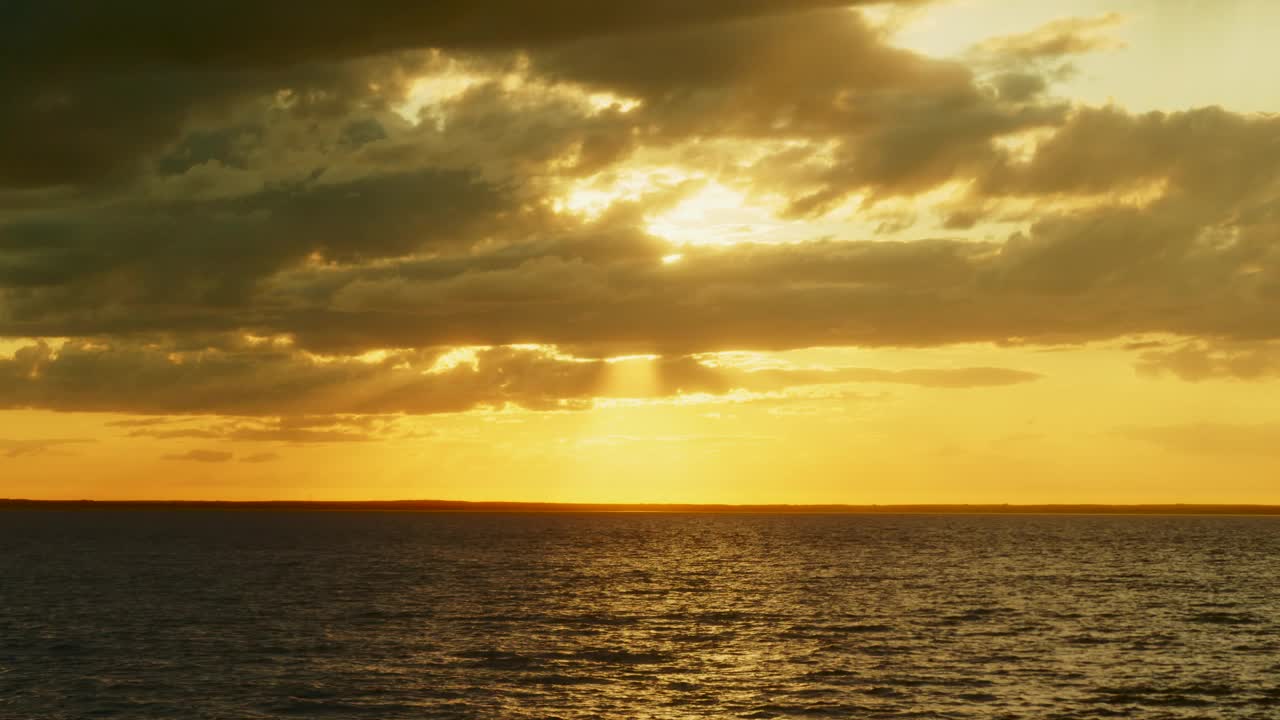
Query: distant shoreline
x=459 y=506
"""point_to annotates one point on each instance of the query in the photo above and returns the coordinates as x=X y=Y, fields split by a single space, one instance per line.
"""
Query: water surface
x=221 y=614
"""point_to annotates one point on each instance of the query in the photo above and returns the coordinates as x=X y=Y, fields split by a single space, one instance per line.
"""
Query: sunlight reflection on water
x=382 y=615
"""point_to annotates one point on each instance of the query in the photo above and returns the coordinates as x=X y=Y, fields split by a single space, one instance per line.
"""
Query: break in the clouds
x=231 y=208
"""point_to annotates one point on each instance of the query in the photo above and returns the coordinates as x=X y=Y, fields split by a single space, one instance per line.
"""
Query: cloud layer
x=226 y=217
x=267 y=381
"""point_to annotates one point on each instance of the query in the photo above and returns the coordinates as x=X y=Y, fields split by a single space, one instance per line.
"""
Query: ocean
x=266 y=614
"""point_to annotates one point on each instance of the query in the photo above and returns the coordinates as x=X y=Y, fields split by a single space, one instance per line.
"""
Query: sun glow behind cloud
x=429 y=96
x=688 y=252
x=714 y=215
x=1227 y=39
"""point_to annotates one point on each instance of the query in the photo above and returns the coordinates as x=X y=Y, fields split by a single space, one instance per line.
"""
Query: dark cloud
x=260 y=458
x=747 y=68
x=84 y=123
x=242 y=34
x=902 y=123
x=209 y=255
x=1073 y=276
x=224 y=213
x=1184 y=264
x=96 y=91
x=802 y=56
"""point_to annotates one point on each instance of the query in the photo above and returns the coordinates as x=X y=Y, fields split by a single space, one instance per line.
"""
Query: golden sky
x=733 y=251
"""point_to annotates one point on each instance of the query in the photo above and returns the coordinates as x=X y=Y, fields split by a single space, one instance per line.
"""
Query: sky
x=732 y=251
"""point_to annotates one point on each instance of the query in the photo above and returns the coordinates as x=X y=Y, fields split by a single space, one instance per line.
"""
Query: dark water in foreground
x=377 y=615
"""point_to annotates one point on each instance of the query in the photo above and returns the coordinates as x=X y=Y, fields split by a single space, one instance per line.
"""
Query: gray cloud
x=97 y=90
x=210 y=254
x=90 y=125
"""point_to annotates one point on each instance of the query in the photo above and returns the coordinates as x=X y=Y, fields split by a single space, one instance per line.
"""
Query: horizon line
x=515 y=506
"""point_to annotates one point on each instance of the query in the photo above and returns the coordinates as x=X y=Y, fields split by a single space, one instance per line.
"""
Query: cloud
x=1053 y=40
x=226 y=217
x=801 y=54
x=1186 y=264
x=260 y=458
x=92 y=124
x=302 y=397
x=211 y=253
x=890 y=122
x=48 y=446
x=139 y=423
x=1107 y=149
x=243 y=34
x=1074 y=276
x=1212 y=438
x=956 y=378
x=437 y=257
x=108 y=88
x=203 y=456
x=293 y=429
x=723 y=379
x=1199 y=361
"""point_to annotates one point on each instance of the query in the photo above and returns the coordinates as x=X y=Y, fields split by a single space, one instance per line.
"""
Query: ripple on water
x=387 y=616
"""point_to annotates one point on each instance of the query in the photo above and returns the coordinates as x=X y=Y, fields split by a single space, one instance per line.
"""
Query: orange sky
x=741 y=252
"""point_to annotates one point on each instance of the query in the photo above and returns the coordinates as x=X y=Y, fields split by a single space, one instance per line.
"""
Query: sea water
x=227 y=614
